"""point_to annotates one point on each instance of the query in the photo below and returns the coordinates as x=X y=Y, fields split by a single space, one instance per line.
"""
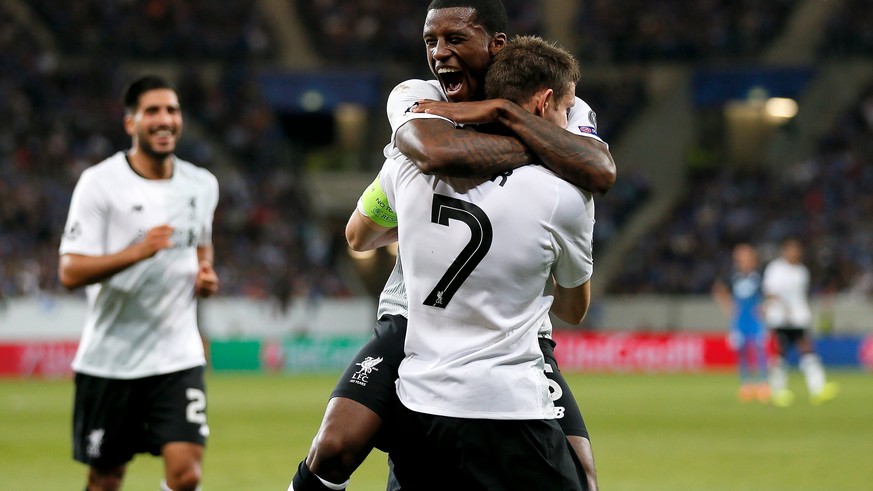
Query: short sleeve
x=582 y=121
x=401 y=100
x=85 y=230
x=573 y=236
x=205 y=238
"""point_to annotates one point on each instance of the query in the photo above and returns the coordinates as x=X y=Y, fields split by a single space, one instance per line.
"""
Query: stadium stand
x=64 y=115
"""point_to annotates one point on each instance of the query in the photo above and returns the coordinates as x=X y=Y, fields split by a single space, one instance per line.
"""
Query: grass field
x=650 y=432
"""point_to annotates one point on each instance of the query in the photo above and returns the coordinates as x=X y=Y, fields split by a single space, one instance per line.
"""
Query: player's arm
x=584 y=162
x=722 y=297
x=373 y=223
x=437 y=146
x=206 y=283
x=76 y=270
x=571 y=304
x=363 y=234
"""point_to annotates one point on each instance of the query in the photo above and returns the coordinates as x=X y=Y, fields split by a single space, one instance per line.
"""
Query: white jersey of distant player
x=477 y=254
x=141 y=321
x=581 y=121
x=789 y=283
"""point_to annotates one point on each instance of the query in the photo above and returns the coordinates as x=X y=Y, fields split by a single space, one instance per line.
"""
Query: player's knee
x=187 y=479
x=335 y=446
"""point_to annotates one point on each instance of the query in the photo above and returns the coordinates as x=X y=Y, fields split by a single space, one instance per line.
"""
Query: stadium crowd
x=823 y=200
x=710 y=30
x=63 y=115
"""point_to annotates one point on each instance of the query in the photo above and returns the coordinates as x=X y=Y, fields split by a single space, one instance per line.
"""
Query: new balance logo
x=136 y=208
x=367 y=367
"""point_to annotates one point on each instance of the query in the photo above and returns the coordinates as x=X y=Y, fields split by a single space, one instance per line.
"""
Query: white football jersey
x=477 y=254
x=142 y=321
x=789 y=284
x=581 y=121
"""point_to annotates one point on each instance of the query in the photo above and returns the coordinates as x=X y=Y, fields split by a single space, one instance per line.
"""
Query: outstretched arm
x=582 y=161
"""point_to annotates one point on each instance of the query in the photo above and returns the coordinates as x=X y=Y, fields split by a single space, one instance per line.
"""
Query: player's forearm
x=584 y=162
x=206 y=253
x=76 y=270
x=437 y=147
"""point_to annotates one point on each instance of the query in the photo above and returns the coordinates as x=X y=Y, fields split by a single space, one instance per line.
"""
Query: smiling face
x=459 y=51
x=156 y=124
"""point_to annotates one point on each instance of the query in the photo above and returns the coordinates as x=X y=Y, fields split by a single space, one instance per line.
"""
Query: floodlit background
x=729 y=121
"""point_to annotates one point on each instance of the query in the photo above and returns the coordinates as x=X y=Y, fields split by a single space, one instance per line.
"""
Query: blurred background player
x=139 y=236
x=788 y=315
x=740 y=296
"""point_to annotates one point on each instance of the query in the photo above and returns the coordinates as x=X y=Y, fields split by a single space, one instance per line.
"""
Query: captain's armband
x=374 y=205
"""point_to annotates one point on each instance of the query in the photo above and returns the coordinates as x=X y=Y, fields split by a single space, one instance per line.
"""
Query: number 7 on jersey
x=444 y=209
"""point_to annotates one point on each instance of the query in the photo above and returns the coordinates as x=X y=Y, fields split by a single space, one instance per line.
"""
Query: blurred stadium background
x=729 y=121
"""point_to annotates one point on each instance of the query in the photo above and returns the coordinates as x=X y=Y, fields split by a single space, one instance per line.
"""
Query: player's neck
x=150 y=167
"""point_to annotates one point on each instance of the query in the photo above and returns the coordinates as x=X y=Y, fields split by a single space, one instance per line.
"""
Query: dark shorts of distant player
x=115 y=419
x=440 y=453
x=789 y=336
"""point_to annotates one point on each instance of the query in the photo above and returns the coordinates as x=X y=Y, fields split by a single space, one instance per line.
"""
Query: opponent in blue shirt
x=742 y=298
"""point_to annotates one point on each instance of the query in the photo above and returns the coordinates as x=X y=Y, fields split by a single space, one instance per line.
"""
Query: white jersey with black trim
x=786 y=287
x=581 y=121
x=143 y=320
x=477 y=254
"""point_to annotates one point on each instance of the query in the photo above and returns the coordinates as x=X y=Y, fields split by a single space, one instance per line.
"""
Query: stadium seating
x=65 y=116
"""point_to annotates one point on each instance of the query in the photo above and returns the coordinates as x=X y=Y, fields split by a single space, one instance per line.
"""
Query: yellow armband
x=374 y=205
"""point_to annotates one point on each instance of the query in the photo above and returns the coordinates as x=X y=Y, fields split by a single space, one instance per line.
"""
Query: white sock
x=778 y=376
x=810 y=365
x=330 y=485
x=164 y=486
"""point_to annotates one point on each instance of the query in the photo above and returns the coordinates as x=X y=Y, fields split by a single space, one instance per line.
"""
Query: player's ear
x=498 y=41
x=544 y=97
x=128 y=124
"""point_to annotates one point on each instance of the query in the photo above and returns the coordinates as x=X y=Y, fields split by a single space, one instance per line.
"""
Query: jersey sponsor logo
x=95 y=442
x=368 y=366
x=136 y=208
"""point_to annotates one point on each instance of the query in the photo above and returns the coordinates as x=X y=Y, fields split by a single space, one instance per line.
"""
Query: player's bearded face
x=157 y=123
x=459 y=51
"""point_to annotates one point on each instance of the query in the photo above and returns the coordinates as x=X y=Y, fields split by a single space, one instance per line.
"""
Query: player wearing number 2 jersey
x=138 y=236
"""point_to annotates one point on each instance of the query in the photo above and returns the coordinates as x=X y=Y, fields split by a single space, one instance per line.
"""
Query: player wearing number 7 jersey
x=477 y=255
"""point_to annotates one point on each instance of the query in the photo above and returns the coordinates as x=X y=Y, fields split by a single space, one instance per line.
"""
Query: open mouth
x=452 y=80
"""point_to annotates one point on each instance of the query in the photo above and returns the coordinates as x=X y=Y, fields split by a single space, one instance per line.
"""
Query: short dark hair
x=490 y=14
x=139 y=86
x=527 y=64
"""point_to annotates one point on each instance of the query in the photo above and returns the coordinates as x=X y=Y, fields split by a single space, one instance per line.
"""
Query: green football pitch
x=650 y=432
